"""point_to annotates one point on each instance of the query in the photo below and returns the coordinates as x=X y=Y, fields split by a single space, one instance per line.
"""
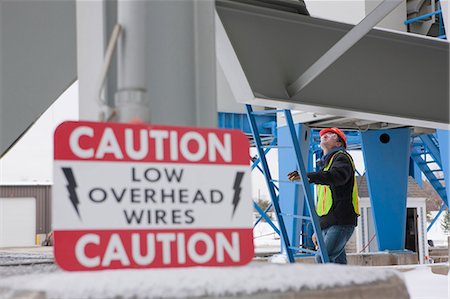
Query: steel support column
x=444 y=140
x=291 y=196
x=386 y=155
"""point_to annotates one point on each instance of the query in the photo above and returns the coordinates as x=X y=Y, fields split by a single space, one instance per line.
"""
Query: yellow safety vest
x=325 y=198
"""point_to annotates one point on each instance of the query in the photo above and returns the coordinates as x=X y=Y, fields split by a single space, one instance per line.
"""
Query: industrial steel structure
x=271 y=53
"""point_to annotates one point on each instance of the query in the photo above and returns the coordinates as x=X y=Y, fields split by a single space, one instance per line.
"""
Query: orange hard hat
x=336 y=131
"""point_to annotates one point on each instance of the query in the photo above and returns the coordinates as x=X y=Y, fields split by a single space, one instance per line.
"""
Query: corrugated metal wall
x=43 y=195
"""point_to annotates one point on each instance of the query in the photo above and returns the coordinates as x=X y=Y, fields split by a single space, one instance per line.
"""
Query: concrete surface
x=393 y=288
x=22 y=261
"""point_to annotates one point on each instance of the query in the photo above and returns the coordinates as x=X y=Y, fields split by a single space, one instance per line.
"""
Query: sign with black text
x=145 y=196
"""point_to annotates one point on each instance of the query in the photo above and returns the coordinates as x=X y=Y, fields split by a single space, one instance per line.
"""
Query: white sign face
x=140 y=196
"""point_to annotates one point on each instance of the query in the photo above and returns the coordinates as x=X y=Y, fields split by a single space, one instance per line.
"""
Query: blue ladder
x=271 y=184
x=425 y=152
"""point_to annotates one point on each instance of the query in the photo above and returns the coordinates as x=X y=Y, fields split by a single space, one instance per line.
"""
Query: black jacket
x=340 y=177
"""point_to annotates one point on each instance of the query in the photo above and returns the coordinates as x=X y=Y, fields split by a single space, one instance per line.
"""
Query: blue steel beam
x=264 y=215
x=422 y=17
x=386 y=155
x=239 y=121
x=291 y=196
x=415 y=172
x=444 y=206
x=308 y=197
x=268 y=179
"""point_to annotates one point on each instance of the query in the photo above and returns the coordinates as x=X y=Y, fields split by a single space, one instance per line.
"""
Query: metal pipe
x=131 y=100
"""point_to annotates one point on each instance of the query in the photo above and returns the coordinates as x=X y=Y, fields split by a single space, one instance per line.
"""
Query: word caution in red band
x=114 y=249
x=140 y=143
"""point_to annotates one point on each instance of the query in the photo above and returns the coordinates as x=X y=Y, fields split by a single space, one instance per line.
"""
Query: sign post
x=144 y=196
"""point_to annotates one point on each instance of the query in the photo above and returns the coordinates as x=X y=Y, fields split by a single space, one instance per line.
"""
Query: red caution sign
x=141 y=196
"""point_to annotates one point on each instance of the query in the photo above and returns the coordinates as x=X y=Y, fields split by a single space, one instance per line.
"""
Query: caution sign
x=141 y=196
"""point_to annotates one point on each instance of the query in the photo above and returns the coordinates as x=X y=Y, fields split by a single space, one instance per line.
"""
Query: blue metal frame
x=286 y=243
x=444 y=147
x=443 y=207
x=306 y=190
x=430 y=14
x=291 y=196
x=229 y=120
x=264 y=215
x=421 y=147
x=425 y=152
x=386 y=155
x=425 y=16
x=269 y=182
x=415 y=172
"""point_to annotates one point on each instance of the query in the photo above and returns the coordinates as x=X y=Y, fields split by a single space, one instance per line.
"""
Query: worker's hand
x=314 y=239
x=293 y=176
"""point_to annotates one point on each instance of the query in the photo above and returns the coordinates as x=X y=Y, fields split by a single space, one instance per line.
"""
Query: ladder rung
x=297 y=216
x=263 y=112
x=289 y=182
x=302 y=249
x=262 y=150
x=432 y=171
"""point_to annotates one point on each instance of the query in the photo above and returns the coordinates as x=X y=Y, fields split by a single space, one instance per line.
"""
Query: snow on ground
x=265 y=239
x=194 y=282
x=422 y=283
x=436 y=233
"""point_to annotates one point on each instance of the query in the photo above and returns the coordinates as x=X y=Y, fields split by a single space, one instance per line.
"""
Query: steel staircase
x=425 y=153
x=272 y=184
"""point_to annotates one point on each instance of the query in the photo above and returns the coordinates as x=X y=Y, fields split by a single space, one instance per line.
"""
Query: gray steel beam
x=387 y=76
x=343 y=45
x=37 y=61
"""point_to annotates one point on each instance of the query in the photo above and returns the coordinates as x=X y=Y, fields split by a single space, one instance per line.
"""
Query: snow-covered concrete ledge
x=253 y=281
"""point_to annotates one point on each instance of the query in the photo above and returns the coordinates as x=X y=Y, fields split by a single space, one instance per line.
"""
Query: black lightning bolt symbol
x=237 y=190
x=71 y=186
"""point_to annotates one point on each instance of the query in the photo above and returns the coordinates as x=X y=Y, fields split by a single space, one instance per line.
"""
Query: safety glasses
x=329 y=135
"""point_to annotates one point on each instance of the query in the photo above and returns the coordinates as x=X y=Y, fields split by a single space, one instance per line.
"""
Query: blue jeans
x=335 y=238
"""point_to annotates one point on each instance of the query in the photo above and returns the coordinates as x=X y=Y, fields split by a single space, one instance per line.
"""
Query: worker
x=337 y=205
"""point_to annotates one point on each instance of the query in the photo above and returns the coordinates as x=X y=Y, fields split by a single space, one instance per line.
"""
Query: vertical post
x=386 y=156
x=306 y=188
x=132 y=101
x=291 y=196
x=267 y=176
x=91 y=43
x=181 y=62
